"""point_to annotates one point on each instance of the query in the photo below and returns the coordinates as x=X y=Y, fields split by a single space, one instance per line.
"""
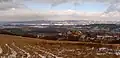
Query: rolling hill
x=23 y=47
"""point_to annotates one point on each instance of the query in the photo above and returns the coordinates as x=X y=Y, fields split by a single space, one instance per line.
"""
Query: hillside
x=18 y=47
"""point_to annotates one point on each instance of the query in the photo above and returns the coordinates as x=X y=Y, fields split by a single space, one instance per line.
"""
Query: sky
x=86 y=7
x=21 y=10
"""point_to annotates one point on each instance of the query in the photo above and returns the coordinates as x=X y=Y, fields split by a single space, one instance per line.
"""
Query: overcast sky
x=21 y=10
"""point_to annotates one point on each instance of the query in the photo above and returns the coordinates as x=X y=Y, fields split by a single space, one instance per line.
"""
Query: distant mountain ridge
x=66 y=22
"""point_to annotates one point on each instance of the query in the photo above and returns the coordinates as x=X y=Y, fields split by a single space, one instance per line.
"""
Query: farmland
x=23 y=47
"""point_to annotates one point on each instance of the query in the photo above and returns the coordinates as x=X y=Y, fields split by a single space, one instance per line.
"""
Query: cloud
x=113 y=8
x=75 y=1
x=114 y=5
x=26 y=14
x=14 y=10
x=7 y=4
x=20 y=15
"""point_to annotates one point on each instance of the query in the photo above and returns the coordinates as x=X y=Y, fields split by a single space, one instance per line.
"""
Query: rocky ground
x=22 y=47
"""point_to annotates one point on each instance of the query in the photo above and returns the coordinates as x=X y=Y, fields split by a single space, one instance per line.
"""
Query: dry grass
x=39 y=48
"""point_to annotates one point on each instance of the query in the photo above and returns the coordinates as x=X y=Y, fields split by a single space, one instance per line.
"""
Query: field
x=23 y=47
